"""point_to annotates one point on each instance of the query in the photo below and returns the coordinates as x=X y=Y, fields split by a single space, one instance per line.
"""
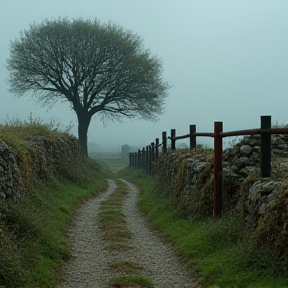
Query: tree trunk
x=83 y=125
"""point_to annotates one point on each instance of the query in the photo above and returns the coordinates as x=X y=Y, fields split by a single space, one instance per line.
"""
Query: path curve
x=89 y=263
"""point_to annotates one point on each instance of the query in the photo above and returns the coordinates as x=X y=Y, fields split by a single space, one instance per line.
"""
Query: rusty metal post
x=164 y=142
x=173 y=140
x=217 y=206
x=157 y=149
x=192 y=137
x=265 y=152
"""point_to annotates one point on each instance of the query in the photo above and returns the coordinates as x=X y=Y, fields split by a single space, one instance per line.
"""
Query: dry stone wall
x=261 y=202
x=43 y=157
x=10 y=174
x=190 y=175
x=243 y=160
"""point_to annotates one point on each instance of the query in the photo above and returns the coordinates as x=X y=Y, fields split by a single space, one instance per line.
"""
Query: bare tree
x=97 y=68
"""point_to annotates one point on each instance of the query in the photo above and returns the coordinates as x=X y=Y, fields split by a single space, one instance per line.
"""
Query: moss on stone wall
x=261 y=202
x=27 y=152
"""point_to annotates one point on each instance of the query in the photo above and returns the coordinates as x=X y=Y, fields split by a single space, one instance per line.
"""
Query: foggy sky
x=226 y=59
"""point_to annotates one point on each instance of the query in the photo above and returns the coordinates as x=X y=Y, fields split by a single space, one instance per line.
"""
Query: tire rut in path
x=89 y=262
x=158 y=257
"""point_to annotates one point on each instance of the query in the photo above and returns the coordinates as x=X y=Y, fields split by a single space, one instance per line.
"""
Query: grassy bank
x=221 y=253
x=110 y=161
x=33 y=242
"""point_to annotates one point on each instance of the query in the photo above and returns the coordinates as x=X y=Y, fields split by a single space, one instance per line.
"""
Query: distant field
x=112 y=161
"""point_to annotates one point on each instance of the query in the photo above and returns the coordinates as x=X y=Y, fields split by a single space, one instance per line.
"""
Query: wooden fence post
x=133 y=159
x=173 y=140
x=147 y=160
x=150 y=154
x=265 y=153
x=130 y=159
x=164 y=142
x=139 y=159
x=217 y=206
x=152 y=151
x=143 y=159
x=157 y=149
x=192 y=137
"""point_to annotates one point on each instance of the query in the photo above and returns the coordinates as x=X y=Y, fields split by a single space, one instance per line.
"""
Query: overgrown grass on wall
x=33 y=241
x=19 y=135
x=221 y=253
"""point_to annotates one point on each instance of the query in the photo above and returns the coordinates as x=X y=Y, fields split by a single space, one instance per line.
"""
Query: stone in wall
x=261 y=198
x=10 y=174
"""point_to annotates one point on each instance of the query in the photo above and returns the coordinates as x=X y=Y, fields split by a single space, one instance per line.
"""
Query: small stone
x=272 y=196
x=255 y=157
x=269 y=187
x=257 y=148
x=254 y=142
x=262 y=209
x=254 y=191
x=245 y=149
x=244 y=161
x=248 y=170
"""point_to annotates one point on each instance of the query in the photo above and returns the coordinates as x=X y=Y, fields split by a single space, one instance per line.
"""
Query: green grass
x=111 y=161
x=33 y=240
x=130 y=281
x=125 y=266
x=115 y=232
x=15 y=131
x=112 y=220
x=221 y=253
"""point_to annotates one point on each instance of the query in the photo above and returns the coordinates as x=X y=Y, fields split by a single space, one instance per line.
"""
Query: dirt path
x=89 y=263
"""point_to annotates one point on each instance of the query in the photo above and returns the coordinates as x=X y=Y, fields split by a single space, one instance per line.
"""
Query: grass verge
x=115 y=232
x=33 y=241
x=221 y=253
x=130 y=281
x=111 y=161
x=112 y=220
x=125 y=266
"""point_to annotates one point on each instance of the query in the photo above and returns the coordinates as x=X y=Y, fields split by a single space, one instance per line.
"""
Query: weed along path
x=112 y=246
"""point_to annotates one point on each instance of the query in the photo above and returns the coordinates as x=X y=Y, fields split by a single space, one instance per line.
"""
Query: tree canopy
x=97 y=68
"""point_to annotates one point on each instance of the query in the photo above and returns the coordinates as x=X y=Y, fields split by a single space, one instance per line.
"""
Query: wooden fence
x=145 y=157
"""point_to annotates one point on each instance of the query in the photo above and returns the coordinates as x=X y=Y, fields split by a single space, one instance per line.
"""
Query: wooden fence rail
x=145 y=157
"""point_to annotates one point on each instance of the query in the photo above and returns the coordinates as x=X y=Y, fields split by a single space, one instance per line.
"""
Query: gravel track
x=89 y=263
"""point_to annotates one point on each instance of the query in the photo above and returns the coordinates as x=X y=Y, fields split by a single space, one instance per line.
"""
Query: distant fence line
x=149 y=154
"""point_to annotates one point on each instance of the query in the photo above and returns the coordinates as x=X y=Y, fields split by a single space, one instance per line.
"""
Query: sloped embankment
x=27 y=152
x=43 y=179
